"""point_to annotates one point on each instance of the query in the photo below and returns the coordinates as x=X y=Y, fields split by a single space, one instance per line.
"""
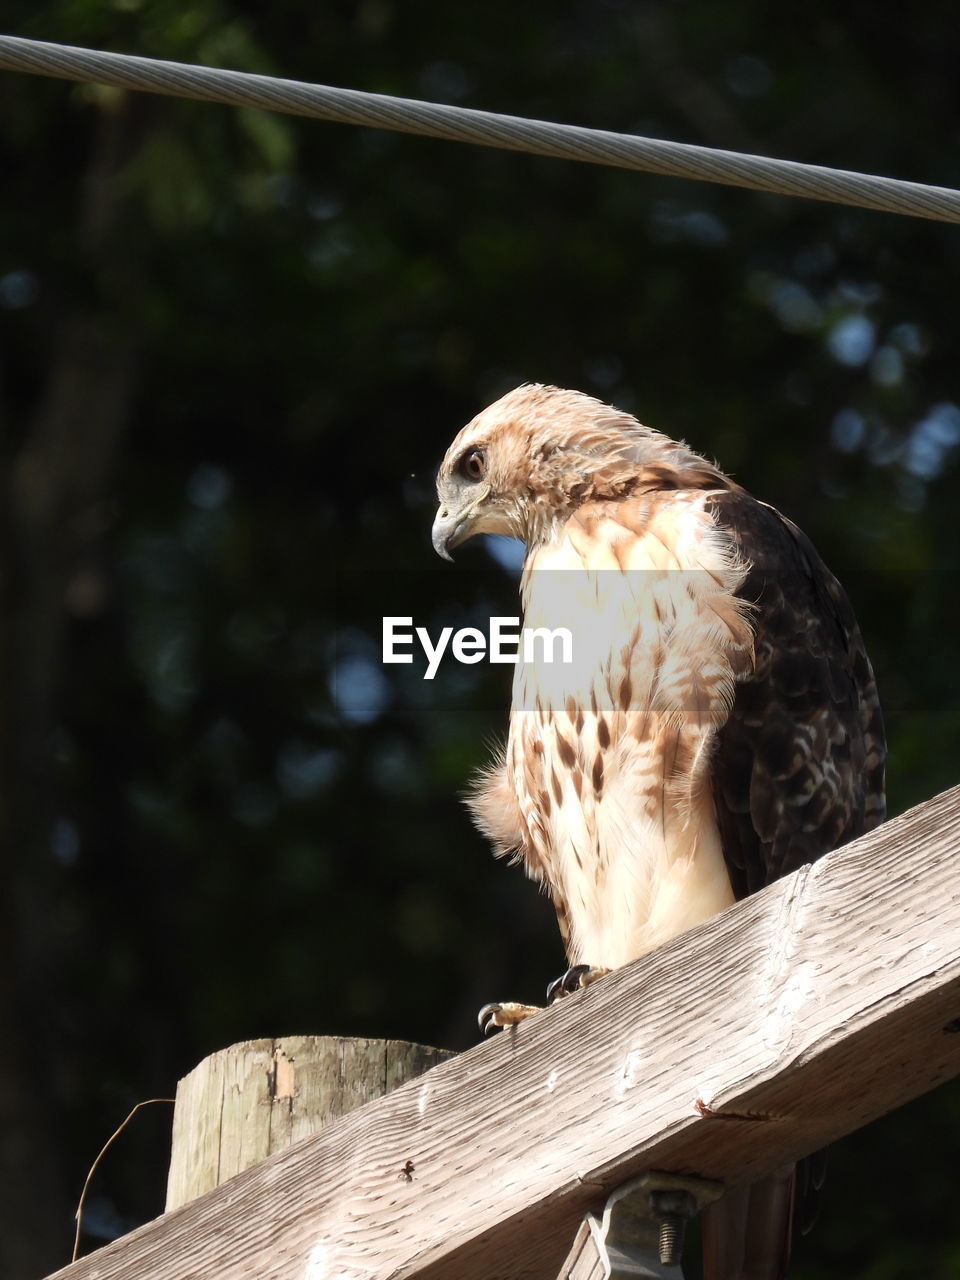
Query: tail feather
x=747 y=1234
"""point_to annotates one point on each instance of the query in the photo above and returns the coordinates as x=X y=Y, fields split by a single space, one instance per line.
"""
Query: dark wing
x=799 y=765
x=798 y=771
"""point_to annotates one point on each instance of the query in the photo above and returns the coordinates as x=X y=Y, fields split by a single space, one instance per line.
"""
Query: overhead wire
x=481 y=128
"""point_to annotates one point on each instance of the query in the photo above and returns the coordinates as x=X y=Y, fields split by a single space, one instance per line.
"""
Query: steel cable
x=483 y=128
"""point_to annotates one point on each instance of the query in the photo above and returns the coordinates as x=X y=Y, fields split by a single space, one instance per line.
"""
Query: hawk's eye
x=473 y=465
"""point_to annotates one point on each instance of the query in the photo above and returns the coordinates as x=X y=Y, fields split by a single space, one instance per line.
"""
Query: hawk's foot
x=575 y=979
x=493 y=1016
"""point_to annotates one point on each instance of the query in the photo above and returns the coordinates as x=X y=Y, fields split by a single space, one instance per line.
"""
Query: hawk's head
x=531 y=458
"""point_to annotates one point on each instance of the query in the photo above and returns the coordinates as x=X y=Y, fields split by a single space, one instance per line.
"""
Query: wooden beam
x=792 y=1018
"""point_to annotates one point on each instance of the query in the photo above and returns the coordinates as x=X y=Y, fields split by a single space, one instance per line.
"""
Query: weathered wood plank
x=791 y=1019
x=242 y=1104
x=583 y=1261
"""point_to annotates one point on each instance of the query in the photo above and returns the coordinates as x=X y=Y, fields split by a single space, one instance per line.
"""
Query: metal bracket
x=640 y=1236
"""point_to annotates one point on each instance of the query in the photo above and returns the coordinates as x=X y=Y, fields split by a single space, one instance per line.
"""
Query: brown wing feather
x=800 y=762
x=799 y=770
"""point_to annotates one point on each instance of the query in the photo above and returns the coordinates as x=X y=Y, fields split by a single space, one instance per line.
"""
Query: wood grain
x=583 y=1261
x=246 y=1102
x=794 y=1017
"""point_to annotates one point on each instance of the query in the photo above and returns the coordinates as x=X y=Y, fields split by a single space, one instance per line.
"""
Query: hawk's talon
x=576 y=978
x=494 y=1016
x=486 y=1019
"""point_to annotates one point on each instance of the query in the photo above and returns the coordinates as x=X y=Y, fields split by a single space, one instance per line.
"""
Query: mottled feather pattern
x=800 y=762
x=620 y=745
x=797 y=759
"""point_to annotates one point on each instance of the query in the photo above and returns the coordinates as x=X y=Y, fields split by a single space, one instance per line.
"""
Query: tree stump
x=246 y=1102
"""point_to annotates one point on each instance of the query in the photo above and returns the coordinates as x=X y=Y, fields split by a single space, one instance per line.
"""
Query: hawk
x=718 y=728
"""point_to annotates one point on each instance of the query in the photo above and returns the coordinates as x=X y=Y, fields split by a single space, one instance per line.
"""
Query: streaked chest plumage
x=608 y=755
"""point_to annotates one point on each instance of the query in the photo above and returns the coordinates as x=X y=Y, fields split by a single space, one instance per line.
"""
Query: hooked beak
x=449 y=530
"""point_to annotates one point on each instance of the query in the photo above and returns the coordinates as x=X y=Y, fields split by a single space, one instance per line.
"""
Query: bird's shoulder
x=661 y=523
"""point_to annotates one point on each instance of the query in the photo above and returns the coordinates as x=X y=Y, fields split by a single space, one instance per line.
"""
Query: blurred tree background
x=234 y=347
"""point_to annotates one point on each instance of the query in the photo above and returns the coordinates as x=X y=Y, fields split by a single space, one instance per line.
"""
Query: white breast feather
x=659 y=640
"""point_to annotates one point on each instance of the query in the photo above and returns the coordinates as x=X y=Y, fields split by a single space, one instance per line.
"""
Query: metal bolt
x=672 y=1231
x=673 y=1210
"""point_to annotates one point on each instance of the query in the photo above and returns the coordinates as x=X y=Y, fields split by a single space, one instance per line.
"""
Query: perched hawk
x=718 y=728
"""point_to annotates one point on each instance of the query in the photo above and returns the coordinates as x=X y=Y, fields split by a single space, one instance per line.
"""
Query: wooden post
x=246 y=1102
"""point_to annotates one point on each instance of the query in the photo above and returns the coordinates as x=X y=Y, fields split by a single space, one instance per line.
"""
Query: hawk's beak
x=449 y=530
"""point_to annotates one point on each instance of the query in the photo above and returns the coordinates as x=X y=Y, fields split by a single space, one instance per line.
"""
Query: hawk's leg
x=575 y=979
x=493 y=1016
